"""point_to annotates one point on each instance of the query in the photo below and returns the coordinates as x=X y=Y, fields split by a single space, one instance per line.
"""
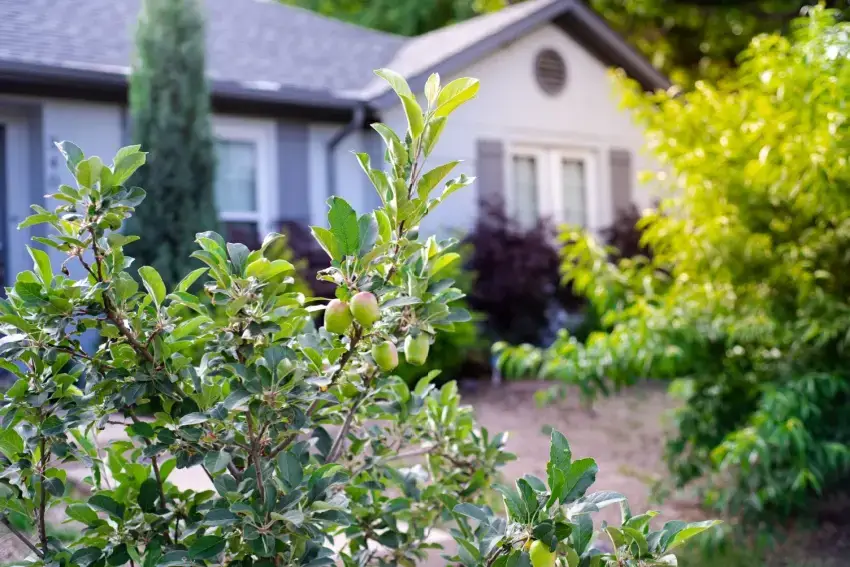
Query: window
x=526 y=189
x=550 y=183
x=242 y=181
x=236 y=190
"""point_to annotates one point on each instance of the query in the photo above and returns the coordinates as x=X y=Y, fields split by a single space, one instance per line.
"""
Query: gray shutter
x=490 y=172
x=622 y=179
x=293 y=173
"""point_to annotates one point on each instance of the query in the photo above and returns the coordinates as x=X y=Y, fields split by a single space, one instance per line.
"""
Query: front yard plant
x=745 y=300
x=317 y=453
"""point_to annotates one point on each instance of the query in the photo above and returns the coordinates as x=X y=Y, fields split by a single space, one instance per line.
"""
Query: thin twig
x=234 y=471
x=17 y=533
x=255 y=456
x=42 y=505
x=209 y=476
x=333 y=454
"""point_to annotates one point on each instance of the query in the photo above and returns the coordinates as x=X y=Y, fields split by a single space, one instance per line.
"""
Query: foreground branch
x=17 y=533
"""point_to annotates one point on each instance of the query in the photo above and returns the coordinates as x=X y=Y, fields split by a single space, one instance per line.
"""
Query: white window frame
x=550 y=198
x=261 y=134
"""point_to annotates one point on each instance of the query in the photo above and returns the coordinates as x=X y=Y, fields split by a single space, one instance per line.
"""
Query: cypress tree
x=170 y=105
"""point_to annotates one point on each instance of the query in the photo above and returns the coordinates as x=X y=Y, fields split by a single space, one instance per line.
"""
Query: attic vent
x=550 y=71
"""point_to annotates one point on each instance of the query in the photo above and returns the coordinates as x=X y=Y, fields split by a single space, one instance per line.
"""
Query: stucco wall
x=512 y=108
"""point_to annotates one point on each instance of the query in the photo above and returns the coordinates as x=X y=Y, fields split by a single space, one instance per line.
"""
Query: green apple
x=416 y=349
x=385 y=355
x=337 y=317
x=364 y=307
x=540 y=555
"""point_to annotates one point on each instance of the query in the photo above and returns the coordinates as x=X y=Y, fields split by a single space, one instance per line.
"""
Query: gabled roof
x=266 y=51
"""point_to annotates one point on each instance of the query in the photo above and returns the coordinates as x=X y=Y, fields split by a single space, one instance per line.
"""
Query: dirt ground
x=623 y=433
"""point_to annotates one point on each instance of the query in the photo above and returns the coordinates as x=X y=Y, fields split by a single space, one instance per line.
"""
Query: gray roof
x=268 y=48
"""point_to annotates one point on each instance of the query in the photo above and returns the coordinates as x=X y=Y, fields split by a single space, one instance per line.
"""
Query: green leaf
x=83 y=514
x=39 y=218
x=126 y=165
x=472 y=511
x=415 y=120
x=572 y=558
x=42 y=265
x=148 y=494
x=291 y=471
x=153 y=283
x=430 y=179
x=396 y=81
x=456 y=93
x=86 y=556
x=529 y=498
x=442 y=262
x=432 y=88
x=54 y=486
x=216 y=461
x=190 y=278
x=579 y=478
x=73 y=155
x=207 y=547
x=368 y=230
x=689 y=531
x=582 y=533
x=385 y=231
x=238 y=256
x=11 y=444
x=343 y=223
x=193 y=419
x=432 y=134
x=513 y=503
x=108 y=505
x=326 y=240
x=638 y=539
x=88 y=171
x=398 y=154
x=219 y=517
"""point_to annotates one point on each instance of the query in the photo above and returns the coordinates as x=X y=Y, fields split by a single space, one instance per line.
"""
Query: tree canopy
x=687 y=39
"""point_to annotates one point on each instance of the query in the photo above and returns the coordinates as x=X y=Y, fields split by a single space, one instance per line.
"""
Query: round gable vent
x=550 y=71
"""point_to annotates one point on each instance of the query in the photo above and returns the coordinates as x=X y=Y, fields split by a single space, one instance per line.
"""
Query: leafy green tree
x=700 y=39
x=745 y=301
x=307 y=436
x=403 y=17
x=170 y=105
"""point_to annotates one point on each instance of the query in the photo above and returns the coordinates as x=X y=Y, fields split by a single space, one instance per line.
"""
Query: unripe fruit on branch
x=416 y=349
x=385 y=355
x=337 y=317
x=540 y=555
x=364 y=307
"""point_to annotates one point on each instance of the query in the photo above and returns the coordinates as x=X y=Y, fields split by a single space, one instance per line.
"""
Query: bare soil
x=623 y=433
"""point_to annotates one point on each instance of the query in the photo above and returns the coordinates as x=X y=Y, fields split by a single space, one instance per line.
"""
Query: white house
x=294 y=93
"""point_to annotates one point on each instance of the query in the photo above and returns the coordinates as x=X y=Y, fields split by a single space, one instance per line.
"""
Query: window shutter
x=622 y=178
x=490 y=172
x=293 y=173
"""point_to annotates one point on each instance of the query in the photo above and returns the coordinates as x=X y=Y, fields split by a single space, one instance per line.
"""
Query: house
x=294 y=93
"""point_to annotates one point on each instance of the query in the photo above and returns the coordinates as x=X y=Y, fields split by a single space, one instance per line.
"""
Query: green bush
x=303 y=437
x=745 y=300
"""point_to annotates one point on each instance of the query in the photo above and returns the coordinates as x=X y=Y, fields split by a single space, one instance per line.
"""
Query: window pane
x=236 y=177
x=573 y=188
x=524 y=202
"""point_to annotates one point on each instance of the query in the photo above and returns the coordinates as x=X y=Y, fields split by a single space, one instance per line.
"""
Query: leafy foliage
x=516 y=275
x=315 y=454
x=170 y=107
x=550 y=519
x=745 y=298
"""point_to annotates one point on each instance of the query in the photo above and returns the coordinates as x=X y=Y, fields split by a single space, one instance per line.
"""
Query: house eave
x=24 y=78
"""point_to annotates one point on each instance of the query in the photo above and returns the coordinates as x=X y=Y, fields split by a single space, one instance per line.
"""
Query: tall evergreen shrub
x=170 y=104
